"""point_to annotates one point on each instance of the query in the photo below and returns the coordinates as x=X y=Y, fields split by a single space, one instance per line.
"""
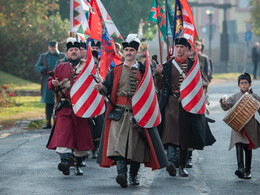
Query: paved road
x=26 y=167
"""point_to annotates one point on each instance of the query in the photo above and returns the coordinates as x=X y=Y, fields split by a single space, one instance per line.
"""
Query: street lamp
x=210 y=12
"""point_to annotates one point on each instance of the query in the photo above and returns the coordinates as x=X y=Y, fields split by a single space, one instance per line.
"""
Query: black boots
x=64 y=166
x=189 y=163
x=248 y=163
x=77 y=165
x=95 y=151
x=173 y=154
x=121 y=178
x=241 y=172
x=48 y=125
x=183 y=162
x=240 y=162
x=134 y=168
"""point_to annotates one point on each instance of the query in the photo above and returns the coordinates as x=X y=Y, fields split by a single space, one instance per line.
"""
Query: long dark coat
x=178 y=126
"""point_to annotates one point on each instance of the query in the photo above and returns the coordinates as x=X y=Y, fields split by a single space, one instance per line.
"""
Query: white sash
x=178 y=68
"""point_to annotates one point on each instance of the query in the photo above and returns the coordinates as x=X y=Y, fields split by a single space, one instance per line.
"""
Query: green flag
x=157 y=16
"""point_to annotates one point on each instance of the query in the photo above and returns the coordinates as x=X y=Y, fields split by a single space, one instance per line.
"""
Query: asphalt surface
x=27 y=167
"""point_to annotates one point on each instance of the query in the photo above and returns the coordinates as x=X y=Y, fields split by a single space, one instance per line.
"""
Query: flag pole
x=168 y=52
x=159 y=34
x=166 y=14
x=71 y=17
x=160 y=45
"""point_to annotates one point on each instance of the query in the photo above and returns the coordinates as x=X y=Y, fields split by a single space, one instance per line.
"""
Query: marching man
x=123 y=140
x=70 y=133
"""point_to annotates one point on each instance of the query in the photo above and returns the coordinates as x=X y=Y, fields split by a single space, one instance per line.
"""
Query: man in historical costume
x=180 y=129
x=95 y=45
x=70 y=134
x=46 y=63
x=123 y=141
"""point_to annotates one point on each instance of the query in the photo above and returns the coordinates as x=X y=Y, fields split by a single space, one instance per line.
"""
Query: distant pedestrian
x=249 y=137
x=255 y=58
x=46 y=63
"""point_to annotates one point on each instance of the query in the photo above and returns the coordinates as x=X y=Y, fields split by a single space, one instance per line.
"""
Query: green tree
x=25 y=29
x=128 y=13
x=255 y=7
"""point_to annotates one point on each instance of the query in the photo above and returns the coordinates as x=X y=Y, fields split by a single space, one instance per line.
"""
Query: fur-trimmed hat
x=131 y=41
x=83 y=44
x=245 y=76
x=96 y=43
x=181 y=41
x=72 y=42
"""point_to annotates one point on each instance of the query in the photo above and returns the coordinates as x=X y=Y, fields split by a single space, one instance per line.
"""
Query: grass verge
x=16 y=83
x=29 y=107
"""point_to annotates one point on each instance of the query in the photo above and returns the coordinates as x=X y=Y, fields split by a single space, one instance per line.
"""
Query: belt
x=123 y=100
x=124 y=109
x=128 y=110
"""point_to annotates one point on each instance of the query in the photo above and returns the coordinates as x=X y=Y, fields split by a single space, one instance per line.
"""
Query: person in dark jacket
x=255 y=57
x=46 y=63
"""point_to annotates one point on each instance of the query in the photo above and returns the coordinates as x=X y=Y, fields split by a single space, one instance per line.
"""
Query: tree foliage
x=255 y=7
x=127 y=15
x=25 y=29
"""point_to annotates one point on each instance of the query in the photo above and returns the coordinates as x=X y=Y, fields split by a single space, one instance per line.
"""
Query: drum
x=242 y=112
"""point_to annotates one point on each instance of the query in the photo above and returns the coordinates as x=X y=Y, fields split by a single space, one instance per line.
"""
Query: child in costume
x=249 y=137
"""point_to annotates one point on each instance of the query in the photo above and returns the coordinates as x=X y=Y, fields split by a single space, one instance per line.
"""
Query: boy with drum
x=249 y=137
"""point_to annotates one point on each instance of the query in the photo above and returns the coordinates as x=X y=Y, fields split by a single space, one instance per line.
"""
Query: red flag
x=108 y=53
x=95 y=22
x=145 y=105
x=191 y=89
x=85 y=99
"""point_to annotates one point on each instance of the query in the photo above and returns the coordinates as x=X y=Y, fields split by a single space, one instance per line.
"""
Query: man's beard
x=74 y=62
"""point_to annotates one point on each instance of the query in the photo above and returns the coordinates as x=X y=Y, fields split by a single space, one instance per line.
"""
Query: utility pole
x=224 y=42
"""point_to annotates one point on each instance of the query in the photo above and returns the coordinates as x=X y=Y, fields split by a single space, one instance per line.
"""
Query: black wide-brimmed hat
x=181 y=41
x=72 y=42
x=131 y=41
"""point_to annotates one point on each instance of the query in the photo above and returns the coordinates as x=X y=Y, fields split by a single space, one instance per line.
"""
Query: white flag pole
x=71 y=17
